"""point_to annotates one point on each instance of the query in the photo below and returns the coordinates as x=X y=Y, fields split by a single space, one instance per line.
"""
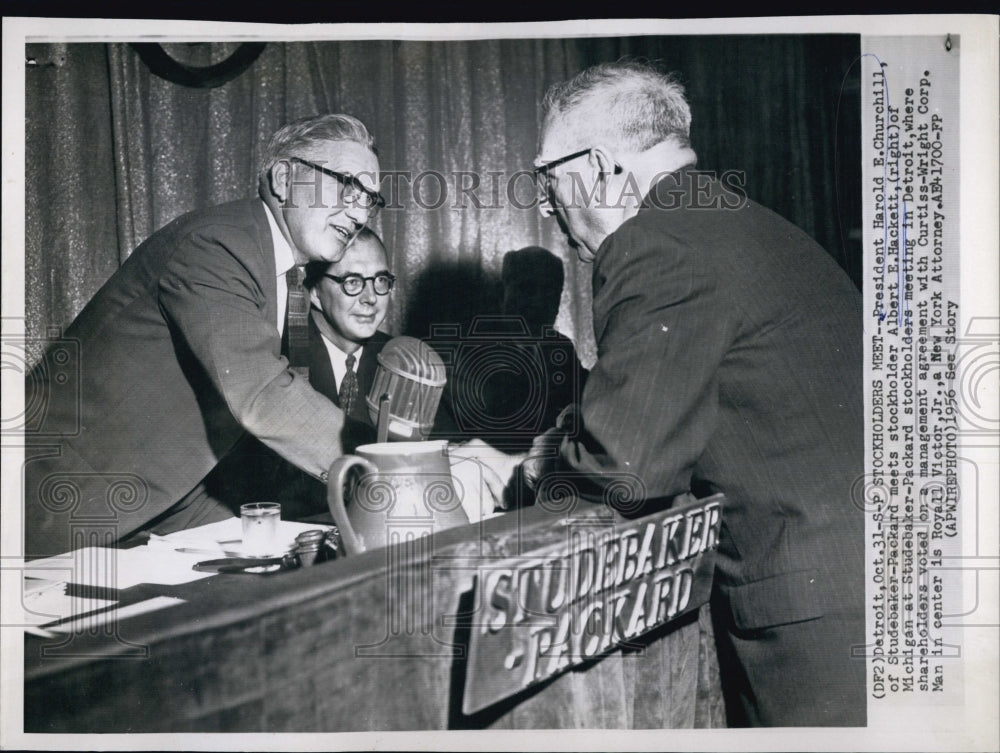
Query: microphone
x=404 y=396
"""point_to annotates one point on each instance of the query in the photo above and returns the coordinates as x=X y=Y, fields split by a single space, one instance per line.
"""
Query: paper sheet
x=118 y=568
x=163 y=561
x=44 y=601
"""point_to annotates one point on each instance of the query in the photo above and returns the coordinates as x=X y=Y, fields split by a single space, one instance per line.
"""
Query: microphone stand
x=383 y=418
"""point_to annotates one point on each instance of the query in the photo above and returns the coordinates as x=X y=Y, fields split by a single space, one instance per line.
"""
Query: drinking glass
x=260 y=528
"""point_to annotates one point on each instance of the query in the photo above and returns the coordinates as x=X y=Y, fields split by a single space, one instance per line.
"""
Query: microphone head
x=412 y=374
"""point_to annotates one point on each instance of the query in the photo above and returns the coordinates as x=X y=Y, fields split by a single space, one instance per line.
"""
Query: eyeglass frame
x=542 y=172
x=348 y=181
x=342 y=282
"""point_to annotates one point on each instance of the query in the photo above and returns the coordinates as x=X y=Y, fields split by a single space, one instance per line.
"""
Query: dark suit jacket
x=299 y=494
x=359 y=428
x=729 y=359
x=321 y=372
x=178 y=356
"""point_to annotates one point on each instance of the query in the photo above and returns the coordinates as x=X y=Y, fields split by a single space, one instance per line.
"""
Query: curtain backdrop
x=113 y=152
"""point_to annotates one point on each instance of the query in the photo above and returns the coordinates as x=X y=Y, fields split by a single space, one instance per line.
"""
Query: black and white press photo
x=611 y=386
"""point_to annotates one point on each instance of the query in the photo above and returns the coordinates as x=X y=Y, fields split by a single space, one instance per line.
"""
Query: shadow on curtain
x=114 y=152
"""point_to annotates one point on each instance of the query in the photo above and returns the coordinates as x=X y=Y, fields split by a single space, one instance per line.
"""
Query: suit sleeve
x=215 y=303
x=650 y=403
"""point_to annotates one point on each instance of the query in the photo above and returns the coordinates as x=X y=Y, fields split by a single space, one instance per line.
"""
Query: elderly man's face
x=570 y=196
x=321 y=225
x=353 y=319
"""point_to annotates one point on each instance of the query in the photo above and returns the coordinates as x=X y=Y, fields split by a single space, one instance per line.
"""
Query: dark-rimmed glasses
x=352 y=285
x=354 y=191
x=542 y=172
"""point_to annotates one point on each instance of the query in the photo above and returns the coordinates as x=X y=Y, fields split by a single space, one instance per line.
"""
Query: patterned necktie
x=296 y=336
x=349 y=388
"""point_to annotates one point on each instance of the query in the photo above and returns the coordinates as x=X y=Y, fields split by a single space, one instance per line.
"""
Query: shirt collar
x=284 y=259
x=338 y=359
x=339 y=355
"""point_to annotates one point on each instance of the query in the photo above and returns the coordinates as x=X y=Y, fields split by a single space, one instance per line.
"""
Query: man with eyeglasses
x=180 y=352
x=729 y=359
x=349 y=300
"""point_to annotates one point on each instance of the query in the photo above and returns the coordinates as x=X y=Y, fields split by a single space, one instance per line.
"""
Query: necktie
x=296 y=335
x=349 y=387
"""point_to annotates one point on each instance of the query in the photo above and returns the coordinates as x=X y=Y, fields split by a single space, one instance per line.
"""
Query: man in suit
x=179 y=352
x=729 y=359
x=348 y=300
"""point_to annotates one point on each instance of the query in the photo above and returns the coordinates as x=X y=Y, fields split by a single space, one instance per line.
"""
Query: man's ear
x=314 y=297
x=277 y=180
x=600 y=156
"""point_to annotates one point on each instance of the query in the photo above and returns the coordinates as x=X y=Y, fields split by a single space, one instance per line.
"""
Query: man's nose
x=357 y=213
x=368 y=294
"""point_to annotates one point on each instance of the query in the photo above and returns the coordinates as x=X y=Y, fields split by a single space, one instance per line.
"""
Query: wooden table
x=376 y=641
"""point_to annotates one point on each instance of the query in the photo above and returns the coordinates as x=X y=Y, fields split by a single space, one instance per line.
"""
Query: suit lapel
x=269 y=279
x=320 y=371
x=369 y=362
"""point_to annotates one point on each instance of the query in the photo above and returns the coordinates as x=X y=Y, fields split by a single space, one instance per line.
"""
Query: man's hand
x=542 y=457
x=483 y=473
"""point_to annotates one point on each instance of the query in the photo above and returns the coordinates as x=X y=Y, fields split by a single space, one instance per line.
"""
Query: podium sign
x=605 y=584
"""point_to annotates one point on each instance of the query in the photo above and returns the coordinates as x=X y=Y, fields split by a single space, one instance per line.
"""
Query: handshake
x=507 y=481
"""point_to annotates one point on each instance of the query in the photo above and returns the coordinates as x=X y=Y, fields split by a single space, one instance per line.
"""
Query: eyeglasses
x=542 y=179
x=354 y=191
x=352 y=285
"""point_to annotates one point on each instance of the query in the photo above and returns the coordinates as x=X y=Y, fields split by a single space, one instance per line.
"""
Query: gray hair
x=628 y=103
x=302 y=134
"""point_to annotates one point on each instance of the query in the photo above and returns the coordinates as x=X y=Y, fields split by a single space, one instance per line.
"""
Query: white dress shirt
x=284 y=260
x=338 y=360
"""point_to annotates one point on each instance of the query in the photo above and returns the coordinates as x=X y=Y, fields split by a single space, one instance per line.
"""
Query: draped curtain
x=114 y=152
